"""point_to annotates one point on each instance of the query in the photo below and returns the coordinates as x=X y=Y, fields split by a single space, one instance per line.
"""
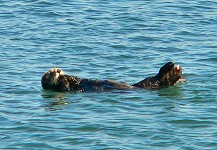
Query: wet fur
x=55 y=79
x=168 y=75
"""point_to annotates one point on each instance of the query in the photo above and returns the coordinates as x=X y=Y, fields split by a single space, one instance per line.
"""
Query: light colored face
x=175 y=74
x=56 y=70
x=54 y=74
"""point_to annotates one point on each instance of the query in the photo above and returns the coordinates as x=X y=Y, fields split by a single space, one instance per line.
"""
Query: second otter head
x=169 y=74
x=50 y=78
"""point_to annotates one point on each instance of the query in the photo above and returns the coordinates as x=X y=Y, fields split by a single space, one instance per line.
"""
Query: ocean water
x=122 y=40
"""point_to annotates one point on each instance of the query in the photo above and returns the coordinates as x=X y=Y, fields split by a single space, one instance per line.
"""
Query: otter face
x=174 y=75
x=170 y=74
x=50 y=78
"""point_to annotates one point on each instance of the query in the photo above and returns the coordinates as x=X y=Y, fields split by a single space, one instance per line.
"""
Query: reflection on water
x=55 y=99
x=172 y=91
x=53 y=94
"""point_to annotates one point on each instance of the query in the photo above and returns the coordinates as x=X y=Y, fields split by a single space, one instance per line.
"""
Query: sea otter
x=55 y=79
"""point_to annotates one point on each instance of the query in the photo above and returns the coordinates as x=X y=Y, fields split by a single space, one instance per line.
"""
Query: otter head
x=169 y=74
x=50 y=78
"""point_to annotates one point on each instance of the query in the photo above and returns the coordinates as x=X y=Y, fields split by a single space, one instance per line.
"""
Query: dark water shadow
x=172 y=91
x=171 y=98
x=48 y=94
x=58 y=100
x=54 y=100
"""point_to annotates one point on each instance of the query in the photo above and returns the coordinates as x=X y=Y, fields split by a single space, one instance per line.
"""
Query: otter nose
x=59 y=70
x=178 y=67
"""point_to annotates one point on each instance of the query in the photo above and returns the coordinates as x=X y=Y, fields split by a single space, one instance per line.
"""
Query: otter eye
x=59 y=70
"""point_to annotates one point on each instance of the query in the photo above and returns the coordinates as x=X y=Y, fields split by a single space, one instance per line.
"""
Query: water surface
x=118 y=40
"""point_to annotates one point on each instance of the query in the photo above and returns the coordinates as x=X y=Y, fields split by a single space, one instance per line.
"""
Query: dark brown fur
x=54 y=79
x=168 y=75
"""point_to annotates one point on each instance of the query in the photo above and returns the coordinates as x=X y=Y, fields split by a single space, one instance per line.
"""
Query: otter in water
x=168 y=75
x=55 y=79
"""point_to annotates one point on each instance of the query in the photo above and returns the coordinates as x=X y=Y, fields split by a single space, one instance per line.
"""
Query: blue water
x=121 y=40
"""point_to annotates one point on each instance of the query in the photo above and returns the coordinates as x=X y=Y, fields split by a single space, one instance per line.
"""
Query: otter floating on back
x=55 y=79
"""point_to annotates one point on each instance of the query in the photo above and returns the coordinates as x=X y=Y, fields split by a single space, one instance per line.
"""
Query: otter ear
x=166 y=68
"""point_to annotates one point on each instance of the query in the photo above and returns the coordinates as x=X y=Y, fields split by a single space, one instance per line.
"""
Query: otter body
x=55 y=79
